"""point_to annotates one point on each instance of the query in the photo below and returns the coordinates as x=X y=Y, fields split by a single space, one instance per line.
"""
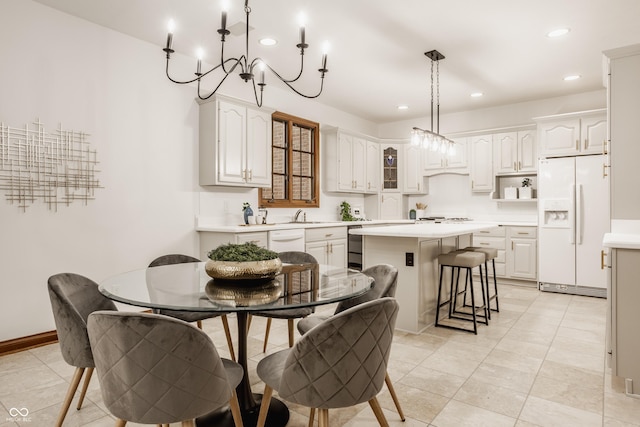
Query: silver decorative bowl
x=248 y=270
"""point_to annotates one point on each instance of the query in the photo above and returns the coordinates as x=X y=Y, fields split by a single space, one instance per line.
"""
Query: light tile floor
x=540 y=362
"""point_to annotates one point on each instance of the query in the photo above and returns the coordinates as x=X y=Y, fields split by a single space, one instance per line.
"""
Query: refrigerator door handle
x=572 y=216
x=579 y=214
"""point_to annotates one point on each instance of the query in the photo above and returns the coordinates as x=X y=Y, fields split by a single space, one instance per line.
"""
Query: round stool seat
x=463 y=259
x=489 y=253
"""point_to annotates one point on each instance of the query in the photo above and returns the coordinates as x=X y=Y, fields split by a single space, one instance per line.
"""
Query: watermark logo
x=19 y=415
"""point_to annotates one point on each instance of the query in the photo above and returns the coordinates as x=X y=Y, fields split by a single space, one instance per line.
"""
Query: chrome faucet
x=297 y=214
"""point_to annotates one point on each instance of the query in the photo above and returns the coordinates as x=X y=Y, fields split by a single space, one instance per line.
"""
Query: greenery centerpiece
x=246 y=261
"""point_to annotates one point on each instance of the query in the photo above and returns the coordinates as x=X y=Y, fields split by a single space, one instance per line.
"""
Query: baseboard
x=24 y=343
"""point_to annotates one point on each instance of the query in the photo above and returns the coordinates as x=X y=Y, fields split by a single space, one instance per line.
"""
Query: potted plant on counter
x=246 y=261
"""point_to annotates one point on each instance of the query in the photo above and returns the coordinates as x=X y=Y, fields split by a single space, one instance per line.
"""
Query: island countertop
x=424 y=231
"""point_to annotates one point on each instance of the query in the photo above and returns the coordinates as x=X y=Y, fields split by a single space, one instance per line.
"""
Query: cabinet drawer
x=259 y=238
x=326 y=233
x=489 y=242
x=523 y=232
x=497 y=232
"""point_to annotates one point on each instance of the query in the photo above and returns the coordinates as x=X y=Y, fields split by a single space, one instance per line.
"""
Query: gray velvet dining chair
x=73 y=297
x=385 y=282
x=191 y=316
x=289 y=257
x=155 y=369
x=340 y=363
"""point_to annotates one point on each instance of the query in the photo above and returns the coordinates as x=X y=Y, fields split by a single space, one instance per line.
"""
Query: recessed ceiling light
x=477 y=94
x=403 y=107
x=559 y=32
x=573 y=77
x=268 y=41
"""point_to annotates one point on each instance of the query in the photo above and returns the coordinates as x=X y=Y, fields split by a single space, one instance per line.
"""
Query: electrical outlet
x=408 y=259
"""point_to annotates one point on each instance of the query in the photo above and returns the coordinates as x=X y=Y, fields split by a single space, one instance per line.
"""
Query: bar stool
x=489 y=254
x=458 y=260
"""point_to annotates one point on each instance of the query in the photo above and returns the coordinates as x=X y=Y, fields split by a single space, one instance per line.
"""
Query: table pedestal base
x=278 y=415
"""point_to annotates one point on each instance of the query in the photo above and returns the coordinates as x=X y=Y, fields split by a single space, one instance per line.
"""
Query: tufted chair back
x=73 y=298
x=154 y=369
x=172 y=259
x=385 y=278
x=343 y=361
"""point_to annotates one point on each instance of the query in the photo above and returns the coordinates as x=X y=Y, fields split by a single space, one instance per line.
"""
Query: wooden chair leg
x=85 y=385
x=77 y=376
x=290 y=325
x=249 y=317
x=264 y=406
x=377 y=410
x=227 y=332
x=392 y=391
x=235 y=410
x=199 y=324
x=312 y=415
x=266 y=335
x=188 y=423
x=120 y=423
x=323 y=417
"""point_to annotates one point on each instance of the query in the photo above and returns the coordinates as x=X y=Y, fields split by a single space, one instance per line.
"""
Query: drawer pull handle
x=522 y=232
x=484 y=243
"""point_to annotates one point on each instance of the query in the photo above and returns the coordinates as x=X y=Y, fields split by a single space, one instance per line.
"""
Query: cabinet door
x=258 y=148
x=522 y=262
x=505 y=150
x=337 y=256
x=481 y=164
x=432 y=160
x=391 y=206
x=232 y=125
x=457 y=159
x=527 y=151
x=411 y=163
x=318 y=250
x=560 y=138
x=358 y=164
x=594 y=134
x=373 y=167
x=345 y=162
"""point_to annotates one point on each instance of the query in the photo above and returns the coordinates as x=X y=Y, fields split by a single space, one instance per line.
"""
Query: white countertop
x=425 y=230
x=203 y=226
x=621 y=241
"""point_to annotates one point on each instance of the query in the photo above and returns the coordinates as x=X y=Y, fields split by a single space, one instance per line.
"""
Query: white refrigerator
x=573 y=216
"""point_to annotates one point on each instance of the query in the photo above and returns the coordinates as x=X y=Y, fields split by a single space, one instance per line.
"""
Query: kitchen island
x=414 y=250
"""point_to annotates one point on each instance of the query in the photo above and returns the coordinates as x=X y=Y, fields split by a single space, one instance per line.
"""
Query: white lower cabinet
x=517 y=251
x=327 y=245
x=522 y=254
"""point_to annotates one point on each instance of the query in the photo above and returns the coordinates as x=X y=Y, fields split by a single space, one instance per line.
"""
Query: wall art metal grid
x=57 y=167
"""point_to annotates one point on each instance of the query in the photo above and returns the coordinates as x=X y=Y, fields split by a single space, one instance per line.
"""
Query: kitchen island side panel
x=418 y=284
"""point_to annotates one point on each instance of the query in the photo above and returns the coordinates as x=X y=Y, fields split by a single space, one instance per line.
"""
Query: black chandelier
x=247 y=67
x=431 y=139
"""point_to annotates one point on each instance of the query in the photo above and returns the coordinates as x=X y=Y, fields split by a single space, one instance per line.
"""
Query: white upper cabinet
x=235 y=144
x=435 y=162
x=572 y=134
x=373 y=167
x=413 y=179
x=351 y=163
x=481 y=170
x=515 y=152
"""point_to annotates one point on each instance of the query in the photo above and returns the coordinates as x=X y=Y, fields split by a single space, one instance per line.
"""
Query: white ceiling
x=376 y=61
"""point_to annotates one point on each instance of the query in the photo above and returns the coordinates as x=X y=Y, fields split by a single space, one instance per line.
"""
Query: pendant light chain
x=431 y=96
x=437 y=94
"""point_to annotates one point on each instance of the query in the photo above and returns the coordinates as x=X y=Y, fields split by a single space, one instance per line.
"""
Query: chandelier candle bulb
x=170 y=27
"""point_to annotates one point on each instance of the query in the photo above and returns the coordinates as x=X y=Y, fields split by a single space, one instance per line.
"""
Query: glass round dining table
x=187 y=287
